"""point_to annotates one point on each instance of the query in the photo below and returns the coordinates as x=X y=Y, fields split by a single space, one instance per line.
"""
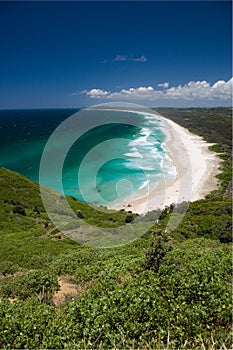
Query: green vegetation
x=167 y=289
x=215 y=126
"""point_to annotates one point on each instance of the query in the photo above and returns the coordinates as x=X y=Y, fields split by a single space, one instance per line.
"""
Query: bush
x=19 y=209
x=7 y=267
x=195 y=284
x=79 y=214
x=37 y=283
x=129 y=218
x=155 y=255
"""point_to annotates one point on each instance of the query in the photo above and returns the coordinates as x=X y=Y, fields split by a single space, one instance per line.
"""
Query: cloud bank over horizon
x=196 y=91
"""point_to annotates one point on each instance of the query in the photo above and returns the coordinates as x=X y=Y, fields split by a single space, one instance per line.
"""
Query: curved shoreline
x=196 y=166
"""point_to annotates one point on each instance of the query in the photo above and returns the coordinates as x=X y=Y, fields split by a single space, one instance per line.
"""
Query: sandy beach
x=196 y=168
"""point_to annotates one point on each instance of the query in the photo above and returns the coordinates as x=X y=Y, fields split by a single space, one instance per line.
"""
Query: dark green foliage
x=214 y=124
x=164 y=290
x=129 y=218
x=152 y=216
x=16 y=188
x=36 y=209
x=7 y=268
x=155 y=255
x=22 y=207
x=79 y=214
x=27 y=324
x=99 y=218
x=164 y=213
x=19 y=209
x=189 y=300
x=36 y=283
x=196 y=284
x=208 y=218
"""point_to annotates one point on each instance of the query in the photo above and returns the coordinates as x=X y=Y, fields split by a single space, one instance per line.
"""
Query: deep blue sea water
x=112 y=159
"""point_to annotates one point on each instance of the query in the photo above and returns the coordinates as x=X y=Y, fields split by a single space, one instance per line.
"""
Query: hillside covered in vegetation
x=164 y=290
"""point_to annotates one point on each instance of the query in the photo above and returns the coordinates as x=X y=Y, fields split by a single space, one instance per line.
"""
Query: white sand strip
x=196 y=167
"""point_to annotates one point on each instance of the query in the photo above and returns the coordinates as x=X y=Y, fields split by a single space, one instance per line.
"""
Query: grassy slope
x=127 y=296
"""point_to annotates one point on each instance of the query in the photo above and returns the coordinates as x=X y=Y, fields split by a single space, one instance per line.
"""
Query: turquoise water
x=119 y=156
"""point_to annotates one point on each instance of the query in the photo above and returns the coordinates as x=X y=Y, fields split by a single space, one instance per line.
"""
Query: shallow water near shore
x=133 y=158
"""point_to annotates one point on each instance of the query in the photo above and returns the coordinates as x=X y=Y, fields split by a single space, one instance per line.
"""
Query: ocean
x=105 y=155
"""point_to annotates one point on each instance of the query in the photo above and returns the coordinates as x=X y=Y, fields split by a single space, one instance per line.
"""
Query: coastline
x=196 y=167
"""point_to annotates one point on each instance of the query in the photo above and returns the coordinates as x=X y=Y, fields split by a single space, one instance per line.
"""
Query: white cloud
x=97 y=93
x=192 y=91
x=120 y=58
x=164 y=85
x=201 y=90
x=140 y=59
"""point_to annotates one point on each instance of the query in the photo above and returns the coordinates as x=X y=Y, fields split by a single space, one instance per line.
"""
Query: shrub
x=7 y=267
x=37 y=283
x=19 y=208
x=79 y=214
x=129 y=218
x=155 y=255
x=195 y=281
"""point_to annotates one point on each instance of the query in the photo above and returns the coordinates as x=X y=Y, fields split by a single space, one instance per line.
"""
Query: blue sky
x=71 y=54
